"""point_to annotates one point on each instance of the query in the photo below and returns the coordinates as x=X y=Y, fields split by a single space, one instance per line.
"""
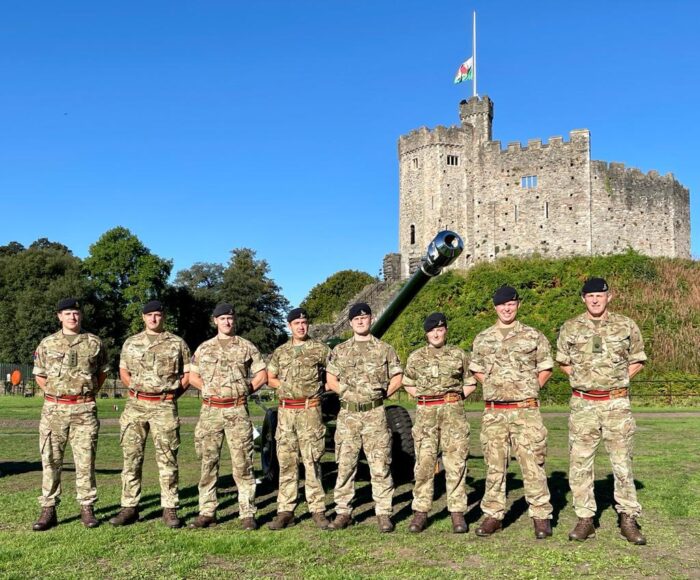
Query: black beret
x=295 y=313
x=505 y=294
x=594 y=285
x=152 y=306
x=222 y=309
x=68 y=304
x=359 y=309
x=434 y=320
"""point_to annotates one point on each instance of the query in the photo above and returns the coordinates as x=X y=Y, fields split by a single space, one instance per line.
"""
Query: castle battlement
x=619 y=167
x=440 y=135
x=576 y=137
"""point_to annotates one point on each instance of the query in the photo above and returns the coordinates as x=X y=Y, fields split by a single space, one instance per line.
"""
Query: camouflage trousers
x=441 y=428
x=60 y=424
x=612 y=421
x=366 y=430
x=518 y=432
x=300 y=433
x=161 y=420
x=234 y=424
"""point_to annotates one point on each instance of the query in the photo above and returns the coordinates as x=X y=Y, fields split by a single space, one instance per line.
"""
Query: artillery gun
x=442 y=251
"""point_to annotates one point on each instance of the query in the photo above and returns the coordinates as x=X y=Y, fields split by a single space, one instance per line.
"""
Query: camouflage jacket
x=300 y=369
x=225 y=368
x=70 y=369
x=599 y=356
x=157 y=366
x=364 y=369
x=511 y=364
x=436 y=371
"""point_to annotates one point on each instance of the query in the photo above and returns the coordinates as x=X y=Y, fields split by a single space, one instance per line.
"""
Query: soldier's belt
x=531 y=403
x=70 y=399
x=601 y=395
x=361 y=407
x=429 y=400
x=224 y=402
x=151 y=397
x=300 y=403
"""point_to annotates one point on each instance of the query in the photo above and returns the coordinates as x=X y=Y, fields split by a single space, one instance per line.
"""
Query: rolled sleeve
x=39 y=362
x=257 y=363
x=273 y=366
x=544 y=354
x=409 y=375
x=393 y=363
x=637 y=353
x=333 y=367
x=186 y=356
x=563 y=356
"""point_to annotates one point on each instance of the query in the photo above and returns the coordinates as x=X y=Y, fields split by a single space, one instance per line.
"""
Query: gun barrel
x=442 y=251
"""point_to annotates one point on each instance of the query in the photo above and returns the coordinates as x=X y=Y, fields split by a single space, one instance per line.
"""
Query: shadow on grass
x=8 y=468
x=604 y=490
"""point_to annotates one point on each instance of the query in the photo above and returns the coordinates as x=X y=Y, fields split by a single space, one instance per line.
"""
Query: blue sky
x=207 y=126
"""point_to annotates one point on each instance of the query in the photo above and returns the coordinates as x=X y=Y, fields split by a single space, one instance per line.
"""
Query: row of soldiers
x=599 y=350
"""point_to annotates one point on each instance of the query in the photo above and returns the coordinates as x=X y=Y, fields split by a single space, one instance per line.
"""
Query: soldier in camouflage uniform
x=363 y=371
x=601 y=351
x=70 y=367
x=220 y=369
x=513 y=362
x=297 y=371
x=437 y=376
x=154 y=365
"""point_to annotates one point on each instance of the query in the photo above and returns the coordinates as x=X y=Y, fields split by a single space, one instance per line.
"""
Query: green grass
x=667 y=469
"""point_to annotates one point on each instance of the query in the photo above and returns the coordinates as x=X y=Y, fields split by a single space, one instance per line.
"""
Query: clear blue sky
x=206 y=126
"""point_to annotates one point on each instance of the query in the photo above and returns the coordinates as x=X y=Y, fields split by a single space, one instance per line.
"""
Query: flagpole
x=474 y=53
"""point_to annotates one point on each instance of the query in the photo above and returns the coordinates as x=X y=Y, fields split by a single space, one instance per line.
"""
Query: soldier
x=437 y=375
x=220 y=369
x=297 y=370
x=513 y=362
x=601 y=351
x=363 y=371
x=70 y=367
x=154 y=365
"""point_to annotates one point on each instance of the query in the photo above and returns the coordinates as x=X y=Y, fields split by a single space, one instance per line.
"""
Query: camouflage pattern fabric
x=518 y=432
x=225 y=368
x=364 y=369
x=161 y=420
x=299 y=368
x=368 y=430
x=612 y=421
x=440 y=428
x=155 y=367
x=60 y=424
x=511 y=365
x=234 y=424
x=300 y=432
x=70 y=368
x=599 y=356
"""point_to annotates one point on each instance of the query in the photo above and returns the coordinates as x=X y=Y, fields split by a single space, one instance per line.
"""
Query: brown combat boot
x=543 y=528
x=47 y=520
x=202 y=521
x=282 y=520
x=125 y=517
x=583 y=530
x=459 y=524
x=488 y=527
x=249 y=524
x=418 y=523
x=629 y=529
x=170 y=518
x=320 y=520
x=385 y=524
x=340 y=522
x=87 y=516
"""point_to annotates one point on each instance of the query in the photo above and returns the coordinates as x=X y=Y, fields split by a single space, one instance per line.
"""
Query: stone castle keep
x=546 y=198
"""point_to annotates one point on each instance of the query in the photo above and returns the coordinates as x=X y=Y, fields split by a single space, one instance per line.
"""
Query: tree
x=329 y=297
x=258 y=301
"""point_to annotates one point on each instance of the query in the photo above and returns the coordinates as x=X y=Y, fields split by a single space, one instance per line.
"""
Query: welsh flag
x=465 y=72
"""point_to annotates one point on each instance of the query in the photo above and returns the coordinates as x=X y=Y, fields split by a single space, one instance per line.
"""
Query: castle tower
x=478 y=114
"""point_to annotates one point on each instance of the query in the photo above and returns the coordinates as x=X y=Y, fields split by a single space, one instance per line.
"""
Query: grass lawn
x=667 y=470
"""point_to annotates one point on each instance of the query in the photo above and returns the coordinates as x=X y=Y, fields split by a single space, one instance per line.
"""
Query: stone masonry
x=543 y=198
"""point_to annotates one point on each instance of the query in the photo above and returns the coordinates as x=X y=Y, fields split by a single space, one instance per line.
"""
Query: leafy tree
x=329 y=297
x=256 y=298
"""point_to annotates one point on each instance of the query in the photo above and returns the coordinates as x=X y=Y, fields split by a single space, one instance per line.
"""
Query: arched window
x=413 y=234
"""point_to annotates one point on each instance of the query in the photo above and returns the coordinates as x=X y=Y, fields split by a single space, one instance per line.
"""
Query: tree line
x=118 y=276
